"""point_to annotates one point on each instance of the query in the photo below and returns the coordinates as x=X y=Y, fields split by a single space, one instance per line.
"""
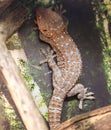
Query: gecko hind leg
x=81 y=93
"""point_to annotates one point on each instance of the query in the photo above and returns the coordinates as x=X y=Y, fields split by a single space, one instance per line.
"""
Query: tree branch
x=10 y=21
x=95 y=120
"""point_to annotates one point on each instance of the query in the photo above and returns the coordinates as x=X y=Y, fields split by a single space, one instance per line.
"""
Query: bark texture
x=4 y=4
x=10 y=21
x=99 y=119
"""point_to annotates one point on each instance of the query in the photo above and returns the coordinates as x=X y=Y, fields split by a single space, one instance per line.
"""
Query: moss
x=71 y=106
x=14 y=42
x=103 y=15
x=107 y=66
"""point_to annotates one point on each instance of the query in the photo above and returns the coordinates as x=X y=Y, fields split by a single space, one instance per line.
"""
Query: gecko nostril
x=39 y=17
x=44 y=30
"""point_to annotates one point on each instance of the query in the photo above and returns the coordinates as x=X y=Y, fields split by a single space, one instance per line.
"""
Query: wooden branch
x=10 y=21
x=4 y=4
x=99 y=119
x=19 y=92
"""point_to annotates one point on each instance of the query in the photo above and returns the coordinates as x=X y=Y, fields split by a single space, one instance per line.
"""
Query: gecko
x=66 y=68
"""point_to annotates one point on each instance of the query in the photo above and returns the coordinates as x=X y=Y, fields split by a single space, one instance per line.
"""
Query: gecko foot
x=59 y=9
x=49 y=55
x=85 y=95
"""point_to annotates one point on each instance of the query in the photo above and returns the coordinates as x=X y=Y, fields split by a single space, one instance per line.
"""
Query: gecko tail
x=55 y=109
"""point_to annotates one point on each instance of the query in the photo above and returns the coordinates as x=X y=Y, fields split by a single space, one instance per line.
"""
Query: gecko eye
x=44 y=30
x=39 y=17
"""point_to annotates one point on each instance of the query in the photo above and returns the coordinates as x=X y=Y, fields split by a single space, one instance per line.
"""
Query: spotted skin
x=53 y=30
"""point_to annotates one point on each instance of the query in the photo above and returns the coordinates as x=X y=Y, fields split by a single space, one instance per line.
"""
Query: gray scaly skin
x=53 y=30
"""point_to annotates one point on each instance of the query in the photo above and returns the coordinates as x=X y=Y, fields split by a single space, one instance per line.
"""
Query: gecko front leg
x=49 y=58
x=49 y=54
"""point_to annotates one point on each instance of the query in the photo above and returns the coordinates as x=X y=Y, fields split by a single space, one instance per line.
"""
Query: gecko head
x=49 y=22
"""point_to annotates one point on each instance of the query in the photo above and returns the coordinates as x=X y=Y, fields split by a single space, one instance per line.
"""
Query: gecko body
x=67 y=69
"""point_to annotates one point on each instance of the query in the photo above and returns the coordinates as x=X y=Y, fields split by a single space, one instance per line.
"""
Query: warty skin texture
x=53 y=30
